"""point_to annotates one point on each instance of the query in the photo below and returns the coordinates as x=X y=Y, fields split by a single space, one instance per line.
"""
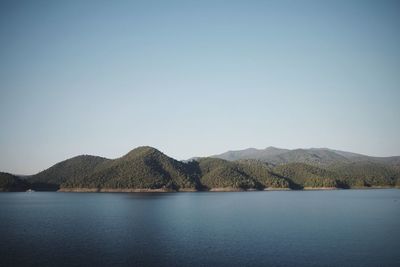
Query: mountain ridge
x=321 y=156
x=147 y=169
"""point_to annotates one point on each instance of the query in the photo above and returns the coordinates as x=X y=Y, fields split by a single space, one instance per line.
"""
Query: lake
x=281 y=228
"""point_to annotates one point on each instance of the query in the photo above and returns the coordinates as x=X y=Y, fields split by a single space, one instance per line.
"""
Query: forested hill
x=76 y=168
x=146 y=168
x=9 y=183
x=143 y=167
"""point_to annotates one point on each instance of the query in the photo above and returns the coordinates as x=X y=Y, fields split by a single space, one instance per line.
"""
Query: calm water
x=319 y=228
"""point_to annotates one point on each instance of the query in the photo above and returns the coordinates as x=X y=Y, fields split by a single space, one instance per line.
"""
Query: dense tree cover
x=143 y=167
x=73 y=169
x=264 y=174
x=305 y=175
x=217 y=173
x=342 y=175
x=359 y=174
x=148 y=168
x=9 y=183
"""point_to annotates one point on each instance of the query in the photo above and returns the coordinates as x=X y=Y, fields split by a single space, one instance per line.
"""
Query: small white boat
x=30 y=190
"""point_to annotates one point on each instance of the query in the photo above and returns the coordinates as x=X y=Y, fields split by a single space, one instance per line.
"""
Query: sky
x=196 y=78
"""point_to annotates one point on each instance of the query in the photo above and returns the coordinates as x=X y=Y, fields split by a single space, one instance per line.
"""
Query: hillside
x=76 y=168
x=264 y=174
x=303 y=175
x=10 y=183
x=365 y=173
x=218 y=173
x=147 y=169
x=143 y=167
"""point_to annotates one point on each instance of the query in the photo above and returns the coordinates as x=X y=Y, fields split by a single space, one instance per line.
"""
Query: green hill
x=146 y=168
x=341 y=175
x=218 y=173
x=264 y=174
x=361 y=174
x=76 y=168
x=245 y=174
x=303 y=175
x=143 y=167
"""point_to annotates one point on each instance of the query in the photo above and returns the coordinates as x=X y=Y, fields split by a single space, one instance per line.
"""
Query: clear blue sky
x=194 y=78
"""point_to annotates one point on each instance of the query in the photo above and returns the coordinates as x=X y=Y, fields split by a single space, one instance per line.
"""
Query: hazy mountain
x=313 y=156
x=251 y=153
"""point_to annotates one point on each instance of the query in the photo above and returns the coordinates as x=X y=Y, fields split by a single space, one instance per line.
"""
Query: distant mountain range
x=315 y=156
x=146 y=169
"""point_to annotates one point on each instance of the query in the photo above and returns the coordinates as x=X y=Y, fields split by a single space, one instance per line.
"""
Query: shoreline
x=226 y=189
x=321 y=188
x=115 y=190
x=278 y=189
x=217 y=189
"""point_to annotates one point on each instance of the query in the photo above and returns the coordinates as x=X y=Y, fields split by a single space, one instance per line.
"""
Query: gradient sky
x=194 y=78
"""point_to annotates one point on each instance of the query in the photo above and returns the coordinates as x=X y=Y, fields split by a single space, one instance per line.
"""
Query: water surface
x=298 y=228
